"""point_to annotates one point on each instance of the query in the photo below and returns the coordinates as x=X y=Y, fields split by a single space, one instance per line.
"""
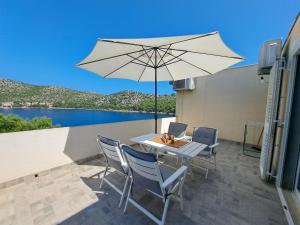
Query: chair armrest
x=214 y=145
x=188 y=138
x=180 y=172
x=179 y=138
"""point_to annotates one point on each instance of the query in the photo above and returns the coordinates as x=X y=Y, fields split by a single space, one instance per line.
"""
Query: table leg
x=188 y=162
x=143 y=147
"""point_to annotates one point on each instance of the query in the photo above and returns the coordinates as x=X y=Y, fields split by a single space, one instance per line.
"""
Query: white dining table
x=188 y=151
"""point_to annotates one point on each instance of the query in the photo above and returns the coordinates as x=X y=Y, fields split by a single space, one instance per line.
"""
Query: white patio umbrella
x=160 y=59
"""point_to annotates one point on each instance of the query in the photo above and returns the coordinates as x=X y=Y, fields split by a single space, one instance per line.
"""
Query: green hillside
x=18 y=94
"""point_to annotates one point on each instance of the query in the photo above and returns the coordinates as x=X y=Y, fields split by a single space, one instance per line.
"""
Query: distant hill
x=18 y=94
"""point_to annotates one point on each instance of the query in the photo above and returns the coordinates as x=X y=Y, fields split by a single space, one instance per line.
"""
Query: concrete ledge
x=28 y=152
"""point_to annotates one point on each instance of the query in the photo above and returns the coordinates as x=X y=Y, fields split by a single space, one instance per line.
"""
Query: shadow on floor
x=233 y=194
x=106 y=211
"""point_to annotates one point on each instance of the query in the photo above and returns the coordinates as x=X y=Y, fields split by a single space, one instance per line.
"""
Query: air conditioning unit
x=183 y=85
x=268 y=54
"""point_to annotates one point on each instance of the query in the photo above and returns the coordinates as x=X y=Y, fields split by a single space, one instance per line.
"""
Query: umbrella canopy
x=160 y=59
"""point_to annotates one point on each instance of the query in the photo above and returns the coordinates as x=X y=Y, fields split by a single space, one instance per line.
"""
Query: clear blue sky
x=42 y=40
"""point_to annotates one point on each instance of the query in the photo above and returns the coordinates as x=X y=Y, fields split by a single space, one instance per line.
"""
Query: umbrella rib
x=164 y=54
x=143 y=63
x=124 y=43
x=205 y=53
x=166 y=66
x=145 y=68
x=124 y=65
x=192 y=64
x=189 y=39
x=149 y=57
x=111 y=57
x=175 y=57
x=173 y=62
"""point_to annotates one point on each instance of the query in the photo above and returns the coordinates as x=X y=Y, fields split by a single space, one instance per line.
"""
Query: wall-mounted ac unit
x=183 y=85
x=268 y=54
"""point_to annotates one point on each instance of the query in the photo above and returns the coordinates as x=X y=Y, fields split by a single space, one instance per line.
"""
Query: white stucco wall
x=225 y=101
x=28 y=152
x=290 y=52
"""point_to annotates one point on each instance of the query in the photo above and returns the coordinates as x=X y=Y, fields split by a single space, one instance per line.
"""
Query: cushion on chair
x=116 y=164
x=141 y=182
x=177 y=129
x=166 y=173
x=205 y=152
x=108 y=141
x=204 y=135
x=140 y=155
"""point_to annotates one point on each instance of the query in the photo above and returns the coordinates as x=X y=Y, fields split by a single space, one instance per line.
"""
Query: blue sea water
x=78 y=117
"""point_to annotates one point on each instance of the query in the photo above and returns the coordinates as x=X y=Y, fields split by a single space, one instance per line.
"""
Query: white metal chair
x=177 y=129
x=147 y=174
x=112 y=152
x=208 y=136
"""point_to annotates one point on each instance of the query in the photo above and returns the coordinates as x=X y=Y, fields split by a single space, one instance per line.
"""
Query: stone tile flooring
x=233 y=194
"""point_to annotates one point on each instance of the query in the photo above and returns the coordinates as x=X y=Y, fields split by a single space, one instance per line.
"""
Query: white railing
x=29 y=152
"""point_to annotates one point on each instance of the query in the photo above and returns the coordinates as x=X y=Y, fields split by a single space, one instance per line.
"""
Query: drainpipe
x=280 y=112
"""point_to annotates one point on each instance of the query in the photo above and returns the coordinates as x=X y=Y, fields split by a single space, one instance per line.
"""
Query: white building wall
x=225 y=101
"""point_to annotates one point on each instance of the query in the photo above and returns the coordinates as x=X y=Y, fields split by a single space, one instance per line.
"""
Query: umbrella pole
x=155 y=69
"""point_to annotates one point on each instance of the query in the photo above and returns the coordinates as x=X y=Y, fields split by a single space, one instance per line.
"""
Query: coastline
x=103 y=110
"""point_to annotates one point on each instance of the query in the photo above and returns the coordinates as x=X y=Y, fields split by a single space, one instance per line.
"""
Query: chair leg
x=124 y=191
x=215 y=161
x=181 y=196
x=102 y=179
x=206 y=174
x=143 y=148
x=209 y=164
x=163 y=219
x=190 y=167
x=128 y=195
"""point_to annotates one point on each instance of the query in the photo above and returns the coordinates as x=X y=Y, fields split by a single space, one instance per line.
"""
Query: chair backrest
x=177 y=129
x=205 y=135
x=112 y=152
x=145 y=170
